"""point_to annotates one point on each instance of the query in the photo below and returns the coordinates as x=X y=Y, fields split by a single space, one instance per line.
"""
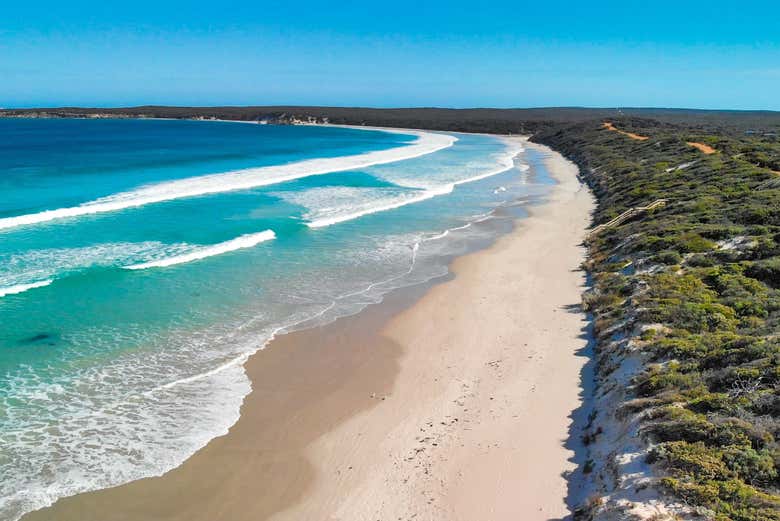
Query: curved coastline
x=372 y=292
x=310 y=405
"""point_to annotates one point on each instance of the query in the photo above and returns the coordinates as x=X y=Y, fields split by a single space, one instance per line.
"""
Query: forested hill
x=686 y=304
x=501 y=121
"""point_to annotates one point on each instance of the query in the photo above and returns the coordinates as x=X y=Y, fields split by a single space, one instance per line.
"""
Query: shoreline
x=337 y=435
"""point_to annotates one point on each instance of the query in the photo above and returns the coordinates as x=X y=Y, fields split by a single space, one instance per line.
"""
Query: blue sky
x=713 y=54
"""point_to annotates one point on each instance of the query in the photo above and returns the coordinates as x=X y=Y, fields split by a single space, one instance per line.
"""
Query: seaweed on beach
x=693 y=286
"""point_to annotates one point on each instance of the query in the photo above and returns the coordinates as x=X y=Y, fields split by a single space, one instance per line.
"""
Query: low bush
x=704 y=299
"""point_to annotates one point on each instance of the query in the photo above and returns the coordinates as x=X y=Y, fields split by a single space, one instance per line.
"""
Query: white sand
x=475 y=426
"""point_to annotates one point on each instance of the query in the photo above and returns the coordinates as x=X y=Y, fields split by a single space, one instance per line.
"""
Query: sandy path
x=454 y=408
x=706 y=149
x=610 y=126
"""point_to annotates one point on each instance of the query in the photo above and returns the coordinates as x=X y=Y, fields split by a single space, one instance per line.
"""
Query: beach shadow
x=581 y=417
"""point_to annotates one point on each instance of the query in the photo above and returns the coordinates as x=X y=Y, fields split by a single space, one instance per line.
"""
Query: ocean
x=143 y=261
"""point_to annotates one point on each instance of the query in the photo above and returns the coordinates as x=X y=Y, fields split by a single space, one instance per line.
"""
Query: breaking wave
x=245 y=241
x=426 y=143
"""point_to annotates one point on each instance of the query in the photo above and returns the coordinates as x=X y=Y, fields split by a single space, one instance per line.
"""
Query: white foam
x=30 y=267
x=21 y=288
x=127 y=419
x=445 y=233
x=239 y=360
x=245 y=241
x=426 y=143
x=506 y=163
x=364 y=207
x=472 y=157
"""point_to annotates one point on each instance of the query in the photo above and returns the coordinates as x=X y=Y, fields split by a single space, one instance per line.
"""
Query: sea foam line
x=507 y=163
x=427 y=194
x=21 y=288
x=243 y=357
x=245 y=241
x=426 y=143
x=445 y=233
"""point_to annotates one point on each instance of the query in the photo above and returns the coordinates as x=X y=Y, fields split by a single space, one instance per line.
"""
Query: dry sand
x=705 y=149
x=456 y=407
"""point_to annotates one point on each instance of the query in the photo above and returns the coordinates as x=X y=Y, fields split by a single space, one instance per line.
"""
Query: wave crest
x=245 y=241
x=21 y=288
x=417 y=193
x=426 y=143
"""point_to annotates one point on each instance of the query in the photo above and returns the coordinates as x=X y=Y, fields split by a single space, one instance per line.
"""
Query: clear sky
x=713 y=54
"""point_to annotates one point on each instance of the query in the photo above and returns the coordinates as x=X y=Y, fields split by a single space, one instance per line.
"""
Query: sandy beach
x=447 y=402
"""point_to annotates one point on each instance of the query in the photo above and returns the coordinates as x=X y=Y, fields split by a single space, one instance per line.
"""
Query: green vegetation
x=496 y=121
x=702 y=275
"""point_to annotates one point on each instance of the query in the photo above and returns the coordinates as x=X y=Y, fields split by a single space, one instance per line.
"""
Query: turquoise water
x=141 y=262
